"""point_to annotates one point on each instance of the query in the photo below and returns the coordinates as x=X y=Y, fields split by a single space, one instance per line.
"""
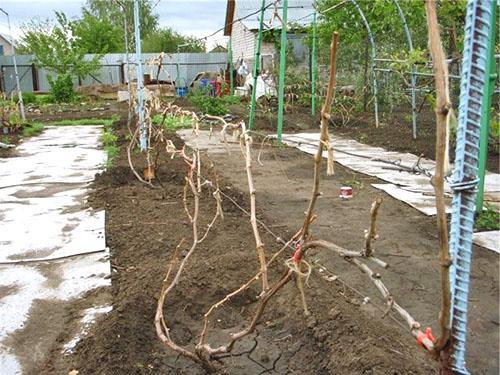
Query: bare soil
x=343 y=335
x=394 y=132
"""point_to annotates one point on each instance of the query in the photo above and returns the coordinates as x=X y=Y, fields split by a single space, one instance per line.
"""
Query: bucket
x=181 y=92
x=345 y=192
x=204 y=82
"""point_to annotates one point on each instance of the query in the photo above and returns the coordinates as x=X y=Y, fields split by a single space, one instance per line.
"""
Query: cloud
x=197 y=18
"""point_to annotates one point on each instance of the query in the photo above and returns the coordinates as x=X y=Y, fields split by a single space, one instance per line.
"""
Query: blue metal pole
x=143 y=139
x=475 y=72
x=374 y=54
x=231 y=67
x=281 y=85
x=313 y=65
x=413 y=77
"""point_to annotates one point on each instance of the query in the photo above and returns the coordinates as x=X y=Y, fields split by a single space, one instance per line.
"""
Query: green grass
x=31 y=129
x=489 y=219
x=6 y=139
x=79 y=122
x=109 y=139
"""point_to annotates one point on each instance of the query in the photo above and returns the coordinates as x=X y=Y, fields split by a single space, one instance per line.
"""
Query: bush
x=208 y=104
x=28 y=98
x=44 y=99
x=489 y=219
x=62 y=88
x=172 y=122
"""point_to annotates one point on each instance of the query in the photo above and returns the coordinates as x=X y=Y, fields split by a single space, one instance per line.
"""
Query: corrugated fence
x=112 y=69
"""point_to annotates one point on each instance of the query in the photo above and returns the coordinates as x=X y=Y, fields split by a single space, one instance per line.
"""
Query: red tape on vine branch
x=297 y=255
x=427 y=336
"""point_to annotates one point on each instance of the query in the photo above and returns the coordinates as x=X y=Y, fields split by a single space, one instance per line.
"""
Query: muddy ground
x=343 y=336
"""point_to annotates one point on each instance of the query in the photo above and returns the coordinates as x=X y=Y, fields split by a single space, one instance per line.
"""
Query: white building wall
x=243 y=41
x=7 y=47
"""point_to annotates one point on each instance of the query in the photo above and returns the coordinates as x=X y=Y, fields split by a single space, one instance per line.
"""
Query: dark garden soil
x=76 y=111
x=394 y=132
x=343 y=336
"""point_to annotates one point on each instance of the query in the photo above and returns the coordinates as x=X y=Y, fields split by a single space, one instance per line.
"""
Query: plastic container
x=345 y=192
x=181 y=92
x=204 y=82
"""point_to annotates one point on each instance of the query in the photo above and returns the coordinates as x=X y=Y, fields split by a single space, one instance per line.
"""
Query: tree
x=114 y=11
x=387 y=26
x=167 y=40
x=56 y=47
x=98 y=35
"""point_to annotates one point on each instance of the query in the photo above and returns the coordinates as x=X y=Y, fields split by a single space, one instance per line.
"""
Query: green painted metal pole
x=486 y=114
x=281 y=88
x=313 y=67
x=256 y=66
x=231 y=67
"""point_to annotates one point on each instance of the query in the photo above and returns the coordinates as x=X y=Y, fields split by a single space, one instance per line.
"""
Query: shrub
x=61 y=89
x=173 y=122
x=208 y=104
x=28 y=98
x=44 y=99
x=489 y=219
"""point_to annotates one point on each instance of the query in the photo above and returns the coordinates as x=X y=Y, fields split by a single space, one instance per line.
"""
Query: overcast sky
x=191 y=17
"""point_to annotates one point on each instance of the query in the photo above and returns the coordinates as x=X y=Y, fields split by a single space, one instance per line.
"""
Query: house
x=5 y=45
x=242 y=25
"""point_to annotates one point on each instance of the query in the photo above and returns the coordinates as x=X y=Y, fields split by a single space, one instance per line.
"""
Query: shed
x=242 y=25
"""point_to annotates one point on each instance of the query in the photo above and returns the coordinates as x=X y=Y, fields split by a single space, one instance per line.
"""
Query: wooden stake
x=324 y=137
x=371 y=234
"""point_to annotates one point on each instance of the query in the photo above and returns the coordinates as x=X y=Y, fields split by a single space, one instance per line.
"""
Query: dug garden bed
x=143 y=227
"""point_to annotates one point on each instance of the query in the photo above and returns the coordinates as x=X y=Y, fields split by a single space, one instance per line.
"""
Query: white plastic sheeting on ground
x=489 y=240
x=413 y=189
x=51 y=246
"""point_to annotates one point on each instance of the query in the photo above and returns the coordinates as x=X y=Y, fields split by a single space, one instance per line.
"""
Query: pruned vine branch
x=443 y=111
x=296 y=267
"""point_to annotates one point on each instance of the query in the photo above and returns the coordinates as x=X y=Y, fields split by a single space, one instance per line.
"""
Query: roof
x=6 y=38
x=299 y=12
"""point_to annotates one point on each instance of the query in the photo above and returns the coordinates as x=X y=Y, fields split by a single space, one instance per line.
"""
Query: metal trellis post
x=140 y=84
x=127 y=58
x=413 y=77
x=16 y=73
x=473 y=101
x=231 y=67
x=281 y=88
x=256 y=66
x=486 y=115
x=313 y=66
x=374 y=54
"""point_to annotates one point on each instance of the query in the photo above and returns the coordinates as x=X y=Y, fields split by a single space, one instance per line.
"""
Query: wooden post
x=122 y=73
x=34 y=77
x=443 y=107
